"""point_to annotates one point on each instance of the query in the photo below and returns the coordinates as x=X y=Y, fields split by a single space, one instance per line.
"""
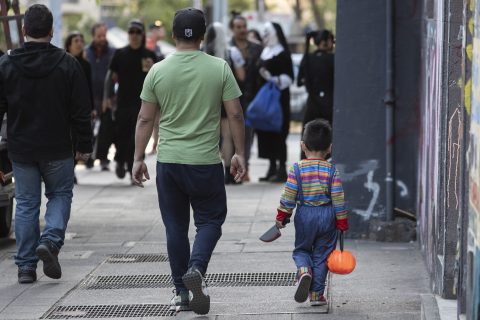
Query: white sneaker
x=180 y=302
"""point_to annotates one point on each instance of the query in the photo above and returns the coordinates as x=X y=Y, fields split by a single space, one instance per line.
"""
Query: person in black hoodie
x=45 y=94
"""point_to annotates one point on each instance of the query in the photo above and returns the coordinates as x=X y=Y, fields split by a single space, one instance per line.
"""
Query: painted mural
x=474 y=166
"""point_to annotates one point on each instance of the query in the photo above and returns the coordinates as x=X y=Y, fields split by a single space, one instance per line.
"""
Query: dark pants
x=125 y=123
x=202 y=187
x=106 y=135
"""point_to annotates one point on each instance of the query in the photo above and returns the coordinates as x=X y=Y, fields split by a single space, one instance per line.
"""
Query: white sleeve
x=283 y=81
x=236 y=57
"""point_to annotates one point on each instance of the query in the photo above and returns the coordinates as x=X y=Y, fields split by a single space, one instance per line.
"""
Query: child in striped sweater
x=315 y=188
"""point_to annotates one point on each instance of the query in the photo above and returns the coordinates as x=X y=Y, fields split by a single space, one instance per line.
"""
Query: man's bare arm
x=237 y=127
x=143 y=132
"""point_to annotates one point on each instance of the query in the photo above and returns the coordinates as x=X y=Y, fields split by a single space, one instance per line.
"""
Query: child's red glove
x=281 y=215
x=342 y=224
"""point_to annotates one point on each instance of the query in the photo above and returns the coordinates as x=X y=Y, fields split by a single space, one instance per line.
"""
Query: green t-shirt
x=189 y=87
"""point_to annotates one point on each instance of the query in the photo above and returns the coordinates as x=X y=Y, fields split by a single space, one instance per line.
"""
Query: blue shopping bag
x=265 y=111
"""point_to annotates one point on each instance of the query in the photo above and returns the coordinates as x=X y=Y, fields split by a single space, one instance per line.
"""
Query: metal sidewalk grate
x=110 y=311
x=264 y=279
x=129 y=282
x=136 y=258
x=270 y=279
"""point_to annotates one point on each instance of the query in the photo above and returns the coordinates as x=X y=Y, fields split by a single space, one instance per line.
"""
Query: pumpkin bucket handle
x=341 y=240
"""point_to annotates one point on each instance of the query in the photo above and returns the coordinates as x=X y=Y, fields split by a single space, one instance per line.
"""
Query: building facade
x=436 y=136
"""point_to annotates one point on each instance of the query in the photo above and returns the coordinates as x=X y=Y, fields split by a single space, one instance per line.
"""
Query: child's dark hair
x=317 y=135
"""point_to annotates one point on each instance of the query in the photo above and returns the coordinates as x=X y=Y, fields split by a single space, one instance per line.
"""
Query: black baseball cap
x=136 y=24
x=189 y=23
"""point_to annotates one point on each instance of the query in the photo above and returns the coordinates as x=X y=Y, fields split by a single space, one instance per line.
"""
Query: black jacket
x=45 y=94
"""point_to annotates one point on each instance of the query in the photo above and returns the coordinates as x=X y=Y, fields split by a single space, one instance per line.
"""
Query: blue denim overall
x=315 y=237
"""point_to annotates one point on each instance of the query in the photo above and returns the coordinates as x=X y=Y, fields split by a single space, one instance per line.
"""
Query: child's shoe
x=303 y=285
x=317 y=299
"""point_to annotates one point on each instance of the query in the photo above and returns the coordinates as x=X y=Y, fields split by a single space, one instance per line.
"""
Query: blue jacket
x=100 y=67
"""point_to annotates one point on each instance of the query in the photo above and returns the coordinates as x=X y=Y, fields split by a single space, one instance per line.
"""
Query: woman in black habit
x=276 y=65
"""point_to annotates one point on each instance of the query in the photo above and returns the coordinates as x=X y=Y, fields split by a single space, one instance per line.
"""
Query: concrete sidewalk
x=248 y=279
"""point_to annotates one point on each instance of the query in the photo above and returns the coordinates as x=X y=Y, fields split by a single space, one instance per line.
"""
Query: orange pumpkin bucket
x=341 y=261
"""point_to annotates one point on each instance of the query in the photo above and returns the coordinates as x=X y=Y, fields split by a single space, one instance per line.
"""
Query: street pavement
x=116 y=228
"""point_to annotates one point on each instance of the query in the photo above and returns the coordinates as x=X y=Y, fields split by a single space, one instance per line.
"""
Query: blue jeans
x=315 y=239
x=180 y=186
x=58 y=178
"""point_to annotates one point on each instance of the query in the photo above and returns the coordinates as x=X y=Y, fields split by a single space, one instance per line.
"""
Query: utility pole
x=197 y=4
x=260 y=4
x=56 y=8
x=220 y=10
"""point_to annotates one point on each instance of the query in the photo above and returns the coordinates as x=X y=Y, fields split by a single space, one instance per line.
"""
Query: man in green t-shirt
x=187 y=90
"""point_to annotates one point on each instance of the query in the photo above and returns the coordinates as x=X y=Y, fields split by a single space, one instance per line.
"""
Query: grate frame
x=136 y=258
x=242 y=279
x=110 y=311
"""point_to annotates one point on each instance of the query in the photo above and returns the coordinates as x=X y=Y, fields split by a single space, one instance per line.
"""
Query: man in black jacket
x=45 y=94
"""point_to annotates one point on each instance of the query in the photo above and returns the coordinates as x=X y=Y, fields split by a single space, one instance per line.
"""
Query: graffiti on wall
x=429 y=140
x=474 y=162
x=367 y=170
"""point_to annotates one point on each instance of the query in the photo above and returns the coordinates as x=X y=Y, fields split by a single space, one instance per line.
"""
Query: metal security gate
x=5 y=6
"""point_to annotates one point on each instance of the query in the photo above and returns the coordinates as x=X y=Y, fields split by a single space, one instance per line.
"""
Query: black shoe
x=75 y=181
x=120 y=170
x=280 y=176
x=194 y=281
x=104 y=164
x=48 y=253
x=26 y=275
x=270 y=173
x=89 y=163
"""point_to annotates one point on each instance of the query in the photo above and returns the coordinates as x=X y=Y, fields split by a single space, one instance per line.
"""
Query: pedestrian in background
x=187 y=89
x=156 y=32
x=39 y=129
x=276 y=65
x=254 y=36
x=316 y=74
x=315 y=189
x=216 y=45
x=74 y=44
x=99 y=54
x=128 y=68
x=251 y=54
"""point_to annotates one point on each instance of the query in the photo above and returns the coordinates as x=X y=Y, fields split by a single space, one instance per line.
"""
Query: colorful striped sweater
x=316 y=176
